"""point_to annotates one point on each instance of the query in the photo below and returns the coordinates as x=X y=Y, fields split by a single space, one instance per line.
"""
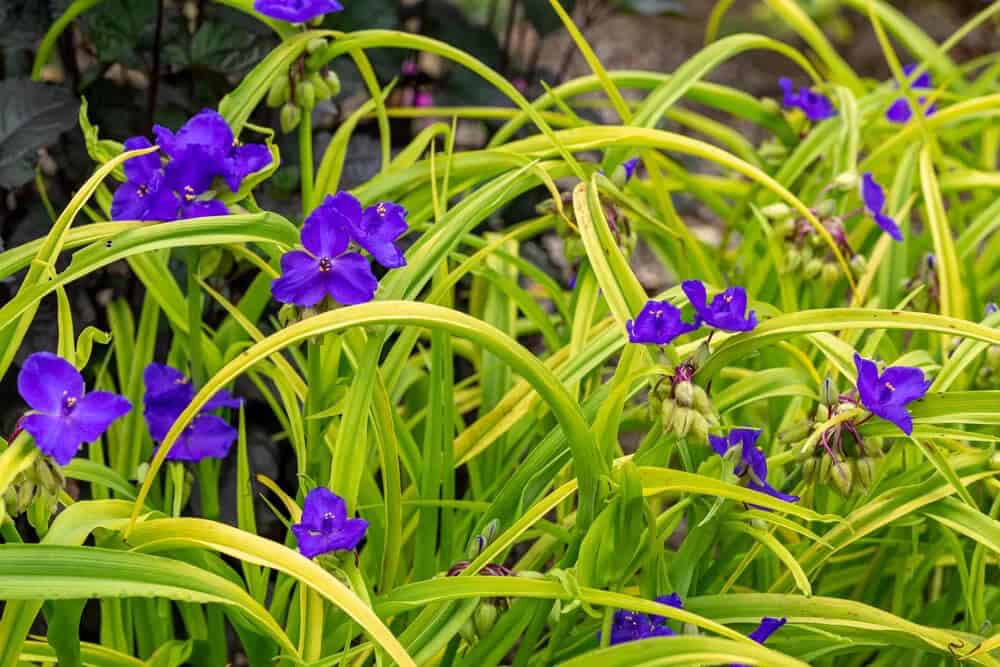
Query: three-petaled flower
x=64 y=416
x=887 y=395
x=816 y=106
x=628 y=626
x=873 y=197
x=727 y=311
x=325 y=527
x=752 y=463
x=296 y=11
x=658 y=323
x=900 y=110
x=168 y=393
x=327 y=267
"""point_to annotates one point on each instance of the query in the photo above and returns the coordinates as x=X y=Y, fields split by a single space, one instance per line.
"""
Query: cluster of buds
x=302 y=88
x=36 y=489
x=836 y=455
x=808 y=254
x=488 y=610
x=567 y=228
x=683 y=406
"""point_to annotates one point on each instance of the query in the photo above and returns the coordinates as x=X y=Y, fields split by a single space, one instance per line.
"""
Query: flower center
x=888 y=385
x=143 y=189
x=68 y=404
x=325 y=265
x=728 y=298
x=189 y=194
x=380 y=209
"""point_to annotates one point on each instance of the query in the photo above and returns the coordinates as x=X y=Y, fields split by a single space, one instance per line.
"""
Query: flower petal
x=867 y=382
x=94 y=412
x=899 y=111
x=206 y=436
x=223 y=399
x=54 y=436
x=326 y=232
x=768 y=626
x=244 y=160
x=889 y=226
x=296 y=11
x=207 y=130
x=321 y=502
x=46 y=380
x=301 y=282
x=696 y=294
x=908 y=382
x=350 y=279
x=203 y=209
x=771 y=491
x=872 y=193
x=140 y=169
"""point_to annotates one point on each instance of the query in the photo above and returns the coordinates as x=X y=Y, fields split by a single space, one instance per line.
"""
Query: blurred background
x=139 y=62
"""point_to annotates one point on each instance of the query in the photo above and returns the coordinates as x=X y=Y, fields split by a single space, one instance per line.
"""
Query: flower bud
x=777 y=211
x=484 y=618
x=828 y=393
x=795 y=432
x=277 y=94
x=993 y=357
x=866 y=472
x=699 y=427
x=829 y=274
x=332 y=82
x=842 y=477
x=812 y=268
x=668 y=409
x=701 y=402
x=684 y=394
x=468 y=630
x=322 y=90
x=683 y=418
x=315 y=44
x=874 y=446
x=809 y=469
x=784 y=228
x=822 y=413
x=858 y=265
x=291 y=116
x=825 y=208
x=25 y=494
x=846 y=182
x=823 y=469
x=305 y=95
x=793 y=260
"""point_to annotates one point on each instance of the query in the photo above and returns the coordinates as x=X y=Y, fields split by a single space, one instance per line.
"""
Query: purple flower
x=296 y=11
x=190 y=176
x=224 y=155
x=873 y=197
x=375 y=228
x=728 y=310
x=326 y=267
x=63 y=417
x=630 y=166
x=167 y=394
x=768 y=626
x=325 y=527
x=627 y=626
x=659 y=322
x=816 y=106
x=900 y=111
x=144 y=195
x=991 y=308
x=886 y=395
x=752 y=463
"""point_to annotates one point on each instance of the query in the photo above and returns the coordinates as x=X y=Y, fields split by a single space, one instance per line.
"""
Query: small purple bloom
x=887 y=395
x=816 y=106
x=326 y=267
x=190 y=176
x=899 y=111
x=167 y=394
x=325 y=527
x=208 y=131
x=296 y=11
x=659 y=322
x=873 y=197
x=63 y=416
x=752 y=463
x=628 y=626
x=630 y=166
x=144 y=194
x=727 y=311
x=768 y=626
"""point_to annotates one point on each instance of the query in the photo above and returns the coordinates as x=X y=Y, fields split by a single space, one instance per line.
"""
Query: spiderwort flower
x=727 y=311
x=209 y=134
x=167 y=394
x=326 y=267
x=64 y=416
x=900 y=111
x=325 y=527
x=190 y=177
x=887 y=395
x=630 y=166
x=873 y=197
x=143 y=195
x=659 y=322
x=296 y=11
x=768 y=626
x=816 y=106
x=627 y=626
x=752 y=462
x=375 y=229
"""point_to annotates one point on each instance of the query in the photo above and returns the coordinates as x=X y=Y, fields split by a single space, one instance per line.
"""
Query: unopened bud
x=793 y=260
x=822 y=413
x=993 y=357
x=825 y=208
x=315 y=44
x=683 y=418
x=485 y=617
x=305 y=95
x=784 y=228
x=277 y=94
x=795 y=432
x=684 y=394
x=846 y=182
x=332 y=82
x=823 y=469
x=777 y=211
x=812 y=268
x=668 y=410
x=866 y=472
x=809 y=469
x=322 y=90
x=701 y=403
x=842 y=477
x=699 y=427
x=830 y=274
x=291 y=116
x=859 y=264
x=828 y=393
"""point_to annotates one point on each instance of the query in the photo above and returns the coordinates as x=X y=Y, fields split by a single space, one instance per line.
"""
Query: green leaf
x=32 y=116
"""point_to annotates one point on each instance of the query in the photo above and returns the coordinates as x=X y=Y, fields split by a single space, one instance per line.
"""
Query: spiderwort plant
x=325 y=526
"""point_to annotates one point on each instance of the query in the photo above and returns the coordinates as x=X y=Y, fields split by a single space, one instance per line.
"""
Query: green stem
x=306 y=160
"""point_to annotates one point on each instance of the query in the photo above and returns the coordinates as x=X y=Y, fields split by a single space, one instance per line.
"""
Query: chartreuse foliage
x=492 y=423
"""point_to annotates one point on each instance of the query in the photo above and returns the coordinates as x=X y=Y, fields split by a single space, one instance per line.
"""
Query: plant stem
x=306 y=160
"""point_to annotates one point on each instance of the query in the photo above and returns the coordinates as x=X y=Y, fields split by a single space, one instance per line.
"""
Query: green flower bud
x=684 y=394
x=793 y=260
x=825 y=208
x=796 y=432
x=993 y=357
x=828 y=393
x=277 y=94
x=322 y=90
x=291 y=116
x=25 y=494
x=699 y=427
x=842 y=477
x=809 y=469
x=858 y=265
x=784 y=228
x=846 y=182
x=305 y=95
x=484 y=618
x=468 y=630
x=822 y=413
x=830 y=274
x=866 y=472
x=777 y=211
x=812 y=268
x=315 y=45
x=668 y=411
x=332 y=82
x=823 y=469
x=874 y=446
x=683 y=419
x=701 y=401
x=807 y=253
